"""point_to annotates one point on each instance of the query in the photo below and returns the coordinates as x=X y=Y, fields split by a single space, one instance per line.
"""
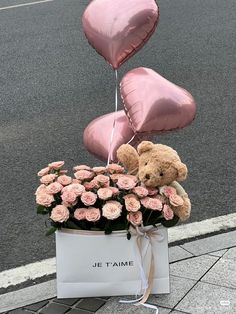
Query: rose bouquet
x=102 y=198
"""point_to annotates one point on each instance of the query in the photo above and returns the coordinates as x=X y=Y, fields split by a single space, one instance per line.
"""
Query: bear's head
x=155 y=164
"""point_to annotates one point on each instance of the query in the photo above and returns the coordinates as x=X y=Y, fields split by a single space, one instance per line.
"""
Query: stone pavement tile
x=19 y=311
x=223 y=273
x=90 y=304
x=211 y=244
x=218 y=253
x=36 y=306
x=66 y=301
x=54 y=308
x=231 y=254
x=179 y=287
x=177 y=253
x=78 y=311
x=193 y=268
x=113 y=306
x=207 y=299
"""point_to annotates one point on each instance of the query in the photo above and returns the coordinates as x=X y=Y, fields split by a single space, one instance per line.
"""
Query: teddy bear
x=157 y=165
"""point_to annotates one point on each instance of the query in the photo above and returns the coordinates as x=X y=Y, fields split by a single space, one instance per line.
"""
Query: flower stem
x=149 y=217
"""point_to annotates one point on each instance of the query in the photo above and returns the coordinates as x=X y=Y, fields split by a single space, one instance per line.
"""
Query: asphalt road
x=52 y=84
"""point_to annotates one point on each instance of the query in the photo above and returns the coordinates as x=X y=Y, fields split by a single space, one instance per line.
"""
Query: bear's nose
x=147 y=176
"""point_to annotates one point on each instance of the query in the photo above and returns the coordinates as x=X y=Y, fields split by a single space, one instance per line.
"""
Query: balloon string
x=131 y=139
x=114 y=120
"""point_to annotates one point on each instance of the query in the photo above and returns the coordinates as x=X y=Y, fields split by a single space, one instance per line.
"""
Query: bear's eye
x=161 y=174
x=146 y=163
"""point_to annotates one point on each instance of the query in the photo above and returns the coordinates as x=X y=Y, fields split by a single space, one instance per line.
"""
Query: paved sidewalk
x=203 y=280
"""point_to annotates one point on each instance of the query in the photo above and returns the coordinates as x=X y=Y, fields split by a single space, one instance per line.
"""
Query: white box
x=92 y=264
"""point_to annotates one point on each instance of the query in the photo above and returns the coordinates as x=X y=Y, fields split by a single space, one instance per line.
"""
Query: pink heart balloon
x=97 y=135
x=117 y=29
x=154 y=104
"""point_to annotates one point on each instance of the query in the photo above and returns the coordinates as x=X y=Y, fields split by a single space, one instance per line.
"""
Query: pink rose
x=56 y=165
x=132 y=203
x=61 y=172
x=91 y=185
x=135 y=218
x=54 y=188
x=114 y=168
x=126 y=183
x=116 y=176
x=81 y=167
x=102 y=180
x=167 y=190
x=132 y=177
x=161 y=198
x=111 y=210
x=168 y=212
x=99 y=170
x=80 y=213
x=83 y=175
x=69 y=197
x=64 y=179
x=151 y=203
x=140 y=191
x=76 y=181
x=60 y=213
x=44 y=199
x=41 y=189
x=48 y=178
x=152 y=191
x=92 y=214
x=114 y=190
x=104 y=193
x=88 y=198
x=176 y=200
x=77 y=188
x=43 y=172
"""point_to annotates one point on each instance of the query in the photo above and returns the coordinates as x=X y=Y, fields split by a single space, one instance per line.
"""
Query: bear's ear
x=144 y=147
x=182 y=171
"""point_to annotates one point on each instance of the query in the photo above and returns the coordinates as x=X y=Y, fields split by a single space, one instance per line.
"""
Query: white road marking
x=195 y=229
x=48 y=266
x=28 y=272
x=26 y=296
x=23 y=4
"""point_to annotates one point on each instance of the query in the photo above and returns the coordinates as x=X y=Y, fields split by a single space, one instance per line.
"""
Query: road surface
x=52 y=84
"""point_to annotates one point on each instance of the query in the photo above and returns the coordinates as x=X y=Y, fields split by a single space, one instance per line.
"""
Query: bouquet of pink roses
x=101 y=198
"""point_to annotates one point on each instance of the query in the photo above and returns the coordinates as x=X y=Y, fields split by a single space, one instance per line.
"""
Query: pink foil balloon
x=154 y=104
x=117 y=29
x=97 y=135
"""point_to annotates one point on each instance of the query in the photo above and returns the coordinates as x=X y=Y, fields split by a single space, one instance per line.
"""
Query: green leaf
x=51 y=231
x=108 y=228
x=108 y=231
x=71 y=225
x=170 y=223
x=42 y=210
x=128 y=235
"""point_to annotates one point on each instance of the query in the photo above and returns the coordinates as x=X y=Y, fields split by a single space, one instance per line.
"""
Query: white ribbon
x=114 y=121
x=151 y=234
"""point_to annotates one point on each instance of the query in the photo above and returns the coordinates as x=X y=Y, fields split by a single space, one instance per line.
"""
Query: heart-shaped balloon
x=97 y=135
x=154 y=104
x=117 y=29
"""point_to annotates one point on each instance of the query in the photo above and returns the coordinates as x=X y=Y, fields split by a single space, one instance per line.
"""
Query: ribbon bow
x=151 y=234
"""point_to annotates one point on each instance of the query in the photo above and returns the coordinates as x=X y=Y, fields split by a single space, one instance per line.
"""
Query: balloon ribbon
x=114 y=120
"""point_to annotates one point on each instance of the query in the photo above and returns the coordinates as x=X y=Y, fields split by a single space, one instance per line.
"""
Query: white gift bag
x=92 y=264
